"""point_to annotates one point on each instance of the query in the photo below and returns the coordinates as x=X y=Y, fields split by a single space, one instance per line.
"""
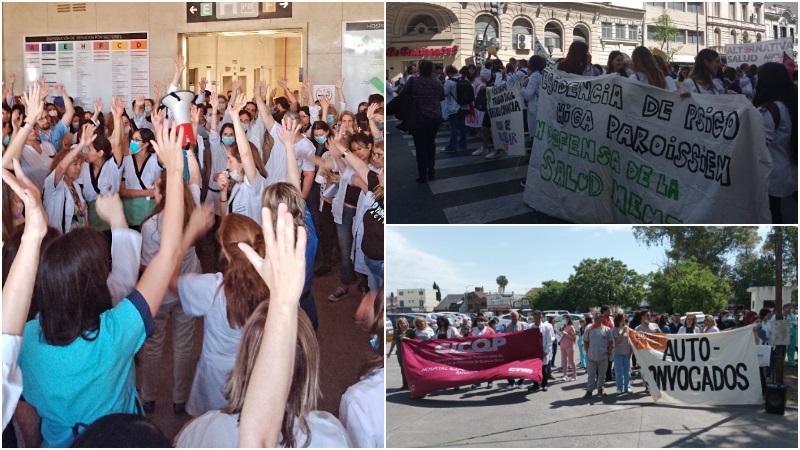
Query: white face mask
x=18 y=208
x=53 y=113
x=235 y=175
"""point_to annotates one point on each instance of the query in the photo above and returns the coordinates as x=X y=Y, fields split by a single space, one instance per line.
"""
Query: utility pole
x=697 y=28
x=494 y=8
x=779 y=300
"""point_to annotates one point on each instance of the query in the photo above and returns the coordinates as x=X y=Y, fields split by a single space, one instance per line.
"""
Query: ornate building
x=781 y=22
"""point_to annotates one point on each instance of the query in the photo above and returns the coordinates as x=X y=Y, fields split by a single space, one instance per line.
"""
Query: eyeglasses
x=137 y=140
x=378 y=155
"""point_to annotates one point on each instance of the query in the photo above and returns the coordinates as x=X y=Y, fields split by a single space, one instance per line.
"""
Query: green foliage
x=438 y=292
x=502 y=282
x=552 y=295
x=789 y=251
x=606 y=281
x=665 y=32
x=756 y=271
x=688 y=286
x=708 y=245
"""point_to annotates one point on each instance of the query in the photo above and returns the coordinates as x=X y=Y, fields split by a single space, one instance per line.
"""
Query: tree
x=502 y=282
x=606 y=281
x=789 y=251
x=708 y=245
x=665 y=33
x=438 y=292
x=753 y=272
x=688 y=286
x=552 y=295
x=391 y=295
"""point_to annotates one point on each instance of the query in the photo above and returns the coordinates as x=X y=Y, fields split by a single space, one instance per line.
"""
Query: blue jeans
x=375 y=277
x=580 y=348
x=344 y=232
x=622 y=371
x=458 y=129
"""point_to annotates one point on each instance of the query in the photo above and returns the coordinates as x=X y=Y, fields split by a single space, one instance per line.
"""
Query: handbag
x=406 y=109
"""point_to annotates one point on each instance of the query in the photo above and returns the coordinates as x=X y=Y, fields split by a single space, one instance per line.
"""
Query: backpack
x=465 y=94
x=481 y=102
x=732 y=86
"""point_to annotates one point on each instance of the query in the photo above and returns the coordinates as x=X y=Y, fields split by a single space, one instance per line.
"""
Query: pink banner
x=435 y=365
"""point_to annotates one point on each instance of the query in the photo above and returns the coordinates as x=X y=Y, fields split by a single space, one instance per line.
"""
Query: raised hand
x=35 y=216
x=223 y=181
x=16 y=120
x=12 y=79
x=157 y=116
x=283 y=269
x=98 y=104
x=138 y=102
x=214 y=100
x=109 y=208
x=307 y=83
x=324 y=104
x=195 y=113
x=60 y=90
x=338 y=82
x=273 y=92
x=158 y=90
x=282 y=82
x=203 y=83
x=236 y=84
x=257 y=91
x=169 y=149
x=201 y=220
x=44 y=88
x=117 y=106
x=237 y=106
x=371 y=111
x=289 y=131
x=87 y=135
x=34 y=103
x=179 y=65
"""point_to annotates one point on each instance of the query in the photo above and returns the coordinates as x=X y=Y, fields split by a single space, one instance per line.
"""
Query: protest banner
x=712 y=369
x=435 y=365
x=504 y=105
x=609 y=149
x=758 y=53
x=764 y=353
x=474 y=118
x=538 y=49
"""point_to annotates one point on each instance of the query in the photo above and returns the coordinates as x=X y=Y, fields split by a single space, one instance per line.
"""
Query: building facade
x=418 y=300
x=781 y=22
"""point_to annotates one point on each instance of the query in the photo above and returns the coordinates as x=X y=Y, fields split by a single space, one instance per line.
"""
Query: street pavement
x=500 y=417
x=467 y=189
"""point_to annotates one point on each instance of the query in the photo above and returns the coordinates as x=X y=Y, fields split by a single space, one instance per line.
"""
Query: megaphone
x=179 y=104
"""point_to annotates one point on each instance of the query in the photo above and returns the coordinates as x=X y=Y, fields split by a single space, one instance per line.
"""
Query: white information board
x=91 y=65
x=363 y=48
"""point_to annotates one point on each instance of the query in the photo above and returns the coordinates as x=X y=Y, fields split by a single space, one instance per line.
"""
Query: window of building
x=422 y=24
x=677 y=6
x=421 y=292
x=552 y=36
x=620 y=31
x=775 y=32
x=521 y=26
x=732 y=11
x=680 y=38
x=783 y=32
x=733 y=37
x=481 y=24
x=756 y=14
x=695 y=8
x=606 y=29
x=580 y=33
x=633 y=32
x=402 y=303
x=716 y=9
x=421 y=304
x=758 y=37
x=400 y=294
x=693 y=38
x=744 y=12
x=651 y=30
x=717 y=37
x=656 y=4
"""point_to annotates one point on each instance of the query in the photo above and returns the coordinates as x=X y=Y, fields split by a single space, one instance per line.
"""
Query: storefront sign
x=434 y=365
x=438 y=51
x=612 y=150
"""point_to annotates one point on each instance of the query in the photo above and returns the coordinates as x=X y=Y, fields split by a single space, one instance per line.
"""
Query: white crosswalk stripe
x=486 y=211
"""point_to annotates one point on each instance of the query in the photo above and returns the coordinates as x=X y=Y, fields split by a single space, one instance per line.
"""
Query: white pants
x=182 y=331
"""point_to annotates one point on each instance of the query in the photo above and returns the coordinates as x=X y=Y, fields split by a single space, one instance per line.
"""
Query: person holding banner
x=616 y=64
x=776 y=100
x=598 y=344
x=646 y=70
x=689 y=325
x=530 y=90
x=401 y=331
x=702 y=78
x=577 y=60
x=422 y=330
x=547 y=349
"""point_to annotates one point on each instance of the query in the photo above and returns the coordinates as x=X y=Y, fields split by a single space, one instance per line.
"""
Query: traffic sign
x=223 y=11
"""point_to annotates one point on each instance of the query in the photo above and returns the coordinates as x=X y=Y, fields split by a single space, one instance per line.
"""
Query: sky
x=458 y=258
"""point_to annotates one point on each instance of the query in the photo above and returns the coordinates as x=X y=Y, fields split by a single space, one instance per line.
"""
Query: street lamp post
x=550 y=49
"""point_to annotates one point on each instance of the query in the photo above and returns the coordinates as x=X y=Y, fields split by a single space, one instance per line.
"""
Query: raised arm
x=288 y=134
x=34 y=106
x=214 y=102
x=283 y=270
x=263 y=109
x=98 y=108
x=69 y=109
x=176 y=75
x=373 y=125
x=293 y=105
x=195 y=177
x=9 y=90
x=339 y=83
x=339 y=150
x=117 y=111
x=18 y=288
x=87 y=136
x=248 y=164
x=305 y=92
x=155 y=279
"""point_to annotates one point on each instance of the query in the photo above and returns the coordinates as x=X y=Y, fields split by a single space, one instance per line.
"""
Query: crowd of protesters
x=427 y=98
x=101 y=213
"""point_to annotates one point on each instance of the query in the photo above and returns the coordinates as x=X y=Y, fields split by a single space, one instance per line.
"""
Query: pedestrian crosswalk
x=467 y=189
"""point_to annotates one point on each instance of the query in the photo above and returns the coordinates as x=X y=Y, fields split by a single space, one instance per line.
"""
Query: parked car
x=389 y=329
x=505 y=320
x=701 y=318
x=455 y=319
x=555 y=312
x=410 y=318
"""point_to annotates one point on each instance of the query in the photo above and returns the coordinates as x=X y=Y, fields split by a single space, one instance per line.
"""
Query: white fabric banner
x=609 y=149
x=505 y=111
x=539 y=49
x=758 y=53
x=712 y=369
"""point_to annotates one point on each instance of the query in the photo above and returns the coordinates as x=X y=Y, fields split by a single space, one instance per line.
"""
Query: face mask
x=53 y=113
x=235 y=175
x=379 y=125
x=321 y=139
x=148 y=110
x=228 y=140
x=134 y=147
x=374 y=342
x=329 y=119
x=221 y=108
x=18 y=207
x=75 y=126
x=246 y=127
x=481 y=325
x=6 y=140
x=208 y=118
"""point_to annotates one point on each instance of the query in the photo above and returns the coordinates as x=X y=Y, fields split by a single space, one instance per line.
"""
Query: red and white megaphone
x=179 y=104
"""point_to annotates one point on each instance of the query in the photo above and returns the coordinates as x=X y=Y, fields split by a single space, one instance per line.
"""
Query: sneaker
x=544 y=388
x=601 y=393
x=149 y=406
x=574 y=378
x=495 y=154
x=519 y=383
x=447 y=150
x=480 y=152
x=489 y=385
x=533 y=389
x=588 y=395
x=179 y=408
x=341 y=292
x=565 y=379
x=474 y=386
x=627 y=391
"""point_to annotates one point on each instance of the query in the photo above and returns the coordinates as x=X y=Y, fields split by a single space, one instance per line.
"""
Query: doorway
x=252 y=56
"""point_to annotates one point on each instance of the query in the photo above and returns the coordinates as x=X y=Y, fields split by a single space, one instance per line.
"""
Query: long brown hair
x=644 y=62
x=699 y=70
x=8 y=212
x=188 y=200
x=283 y=192
x=259 y=162
x=378 y=191
x=304 y=390
x=244 y=288
x=369 y=316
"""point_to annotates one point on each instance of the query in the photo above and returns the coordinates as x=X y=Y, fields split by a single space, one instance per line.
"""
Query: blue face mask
x=134 y=147
x=374 y=342
x=148 y=110
x=246 y=127
x=321 y=139
x=329 y=119
x=6 y=140
x=228 y=140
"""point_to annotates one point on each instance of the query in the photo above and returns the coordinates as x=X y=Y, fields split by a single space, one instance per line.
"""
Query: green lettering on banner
x=567 y=177
x=631 y=204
